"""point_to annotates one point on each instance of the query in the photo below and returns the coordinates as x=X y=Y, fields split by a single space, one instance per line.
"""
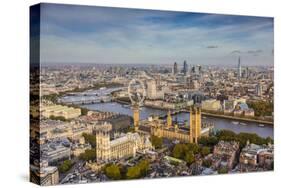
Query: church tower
x=195 y=124
x=169 y=119
x=103 y=142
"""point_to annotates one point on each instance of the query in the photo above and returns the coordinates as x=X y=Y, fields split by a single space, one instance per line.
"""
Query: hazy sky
x=113 y=35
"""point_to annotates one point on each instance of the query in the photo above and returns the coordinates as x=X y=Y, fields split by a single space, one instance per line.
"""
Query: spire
x=169 y=119
x=176 y=127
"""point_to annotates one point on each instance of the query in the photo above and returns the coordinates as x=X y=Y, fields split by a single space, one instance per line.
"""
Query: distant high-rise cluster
x=259 y=89
x=185 y=68
x=246 y=73
x=239 y=71
x=175 y=69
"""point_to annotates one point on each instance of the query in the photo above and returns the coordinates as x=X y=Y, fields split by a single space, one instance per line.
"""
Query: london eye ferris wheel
x=136 y=92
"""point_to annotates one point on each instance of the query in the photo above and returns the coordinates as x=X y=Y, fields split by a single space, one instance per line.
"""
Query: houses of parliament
x=162 y=129
x=139 y=141
x=127 y=145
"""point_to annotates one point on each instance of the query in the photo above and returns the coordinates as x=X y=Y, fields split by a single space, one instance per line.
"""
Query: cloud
x=98 y=34
x=249 y=51
x=212 y=46
x=254 y=51
x=236 y=52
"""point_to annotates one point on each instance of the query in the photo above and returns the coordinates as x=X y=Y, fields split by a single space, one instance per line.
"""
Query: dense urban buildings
x=153 y=99
x=85 y=129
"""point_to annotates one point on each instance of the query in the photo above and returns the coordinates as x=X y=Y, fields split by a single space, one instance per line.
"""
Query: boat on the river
x=261 y=125
x=242 y=123
x=235 y=122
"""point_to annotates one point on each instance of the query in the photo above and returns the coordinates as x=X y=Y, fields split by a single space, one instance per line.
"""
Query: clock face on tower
x=136 y=91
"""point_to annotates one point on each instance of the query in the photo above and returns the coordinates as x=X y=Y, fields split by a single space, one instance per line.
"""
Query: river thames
x=219 y=123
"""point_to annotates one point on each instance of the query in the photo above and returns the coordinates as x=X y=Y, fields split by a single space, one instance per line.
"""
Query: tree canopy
x=189 y=158
x=207 y=163
x=157 y=142
x=90 y=138
x=89 y=154
x=60 y=118
x=242 y=138
x=223 y=170
x=139 y=170
x=262 y=108
x=65 y=166
x=133 y=172
x=186 y=152
x=113 y=172
x=205 y=150
x=208 y=141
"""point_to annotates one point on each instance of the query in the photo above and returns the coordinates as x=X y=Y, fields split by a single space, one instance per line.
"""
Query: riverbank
x=219 y=122
x=237 y=118
x=208 y=114
x=55 y=96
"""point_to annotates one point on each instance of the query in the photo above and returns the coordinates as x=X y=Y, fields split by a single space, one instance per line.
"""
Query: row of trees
x=65 y=166
x=228 y=135
x=139 y=170
x=262 y=108
x=188 y=151
x=117 y=172
x=209 y=141
x=242 y=138
x=52 y=97
x=60 y=118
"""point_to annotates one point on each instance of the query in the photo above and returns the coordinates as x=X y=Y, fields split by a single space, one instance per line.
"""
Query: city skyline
x=86 y=34
x=122 y=94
